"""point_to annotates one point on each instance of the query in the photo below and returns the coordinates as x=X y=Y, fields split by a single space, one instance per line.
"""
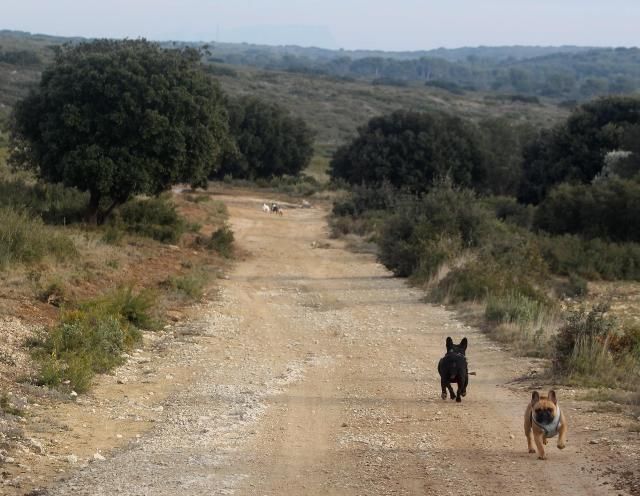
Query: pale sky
x=350 y=24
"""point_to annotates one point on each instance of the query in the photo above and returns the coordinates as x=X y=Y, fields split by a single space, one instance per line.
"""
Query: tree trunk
x=92 y=216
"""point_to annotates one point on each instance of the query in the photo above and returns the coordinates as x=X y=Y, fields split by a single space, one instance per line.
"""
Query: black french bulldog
x=453 y=368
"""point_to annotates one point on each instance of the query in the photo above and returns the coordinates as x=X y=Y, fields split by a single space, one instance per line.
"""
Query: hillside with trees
x=564 y=73
x=521 y=260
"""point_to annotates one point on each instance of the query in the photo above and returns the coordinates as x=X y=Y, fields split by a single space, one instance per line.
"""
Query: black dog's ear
x=463 y=344
x=449 y=343
x=552 y=397
x=535 y=397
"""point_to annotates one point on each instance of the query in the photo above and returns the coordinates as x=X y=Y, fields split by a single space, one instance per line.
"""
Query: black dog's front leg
x=444 y=385
x=451 y=394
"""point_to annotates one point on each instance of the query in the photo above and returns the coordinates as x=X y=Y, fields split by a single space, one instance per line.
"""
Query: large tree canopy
x=269 y=141
x=410 y=150
x=575 y=151
x=117 y=118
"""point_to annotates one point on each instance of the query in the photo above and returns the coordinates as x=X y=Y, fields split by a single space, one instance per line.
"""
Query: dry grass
x=335 y=108
x=157 y=278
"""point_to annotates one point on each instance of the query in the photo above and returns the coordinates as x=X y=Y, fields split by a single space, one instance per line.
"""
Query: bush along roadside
x=595 y=349
x=155 y=218
x=220 y=241
x=91 y=338
x=25 y=239
x=463 y=248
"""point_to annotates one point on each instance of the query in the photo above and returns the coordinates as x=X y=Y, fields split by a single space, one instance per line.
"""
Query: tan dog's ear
x=552 y=397
x=535 y=397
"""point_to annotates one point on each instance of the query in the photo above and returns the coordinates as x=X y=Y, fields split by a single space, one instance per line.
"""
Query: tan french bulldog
x=543 y=419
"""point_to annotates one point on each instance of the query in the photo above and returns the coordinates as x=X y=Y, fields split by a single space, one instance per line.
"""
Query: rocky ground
x=313 y=372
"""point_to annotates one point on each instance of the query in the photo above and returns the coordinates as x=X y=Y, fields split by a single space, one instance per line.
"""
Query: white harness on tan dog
x=553 y=428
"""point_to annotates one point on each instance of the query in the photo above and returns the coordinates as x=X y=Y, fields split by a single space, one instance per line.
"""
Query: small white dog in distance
x=266 y=208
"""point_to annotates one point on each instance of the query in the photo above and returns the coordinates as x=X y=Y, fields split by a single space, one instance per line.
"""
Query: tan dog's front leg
x=539 y=444
x=562 y=435
x=529 y=434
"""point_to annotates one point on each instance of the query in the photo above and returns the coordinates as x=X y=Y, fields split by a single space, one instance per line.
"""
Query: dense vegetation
x=269 y=142
x=561 y=72
x=118 y=118
x=575 y=150
x=456 y=239
x=410 y=150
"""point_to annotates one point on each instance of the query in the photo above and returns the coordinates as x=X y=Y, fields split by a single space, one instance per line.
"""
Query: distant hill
x=449 y=54
x=569 y=73
x=333 y=106
x=561 y=73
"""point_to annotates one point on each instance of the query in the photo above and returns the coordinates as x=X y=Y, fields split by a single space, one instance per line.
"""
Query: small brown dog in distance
x=544 y=419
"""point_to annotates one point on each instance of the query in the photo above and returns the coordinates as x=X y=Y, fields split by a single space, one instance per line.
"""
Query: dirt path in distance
x=316 y=375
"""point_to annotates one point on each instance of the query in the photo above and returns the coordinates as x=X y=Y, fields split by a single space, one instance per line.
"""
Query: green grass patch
x=24 y=239
x=318 y=168
x=525 y=322
x=300 y=186
x=591 y=259
x=53 y=203
x=92 y=338
x=513 y=307
x=190 y=286
x=593 y=349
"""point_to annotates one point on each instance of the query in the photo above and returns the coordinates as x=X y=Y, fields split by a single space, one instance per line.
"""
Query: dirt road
x=317 y=376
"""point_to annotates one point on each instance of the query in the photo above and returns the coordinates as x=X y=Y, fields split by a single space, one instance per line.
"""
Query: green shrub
x=430 y=230
x=134 y=308
x=576 y=286
x=368 y=224
x=606 y=209
x=507 y=209
x=84 y=343
x=190 y=285
x=221 y=241
x=155 y=218
x=24 y=239
x=522 y=321
x=513 y=307
x=54 y=203
x=362 y=199
x=433 y=256
x=473 y=282
x=269 y=141
x=92 y=338
x=583 y=335
x=591 y=259
x=413 y=150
